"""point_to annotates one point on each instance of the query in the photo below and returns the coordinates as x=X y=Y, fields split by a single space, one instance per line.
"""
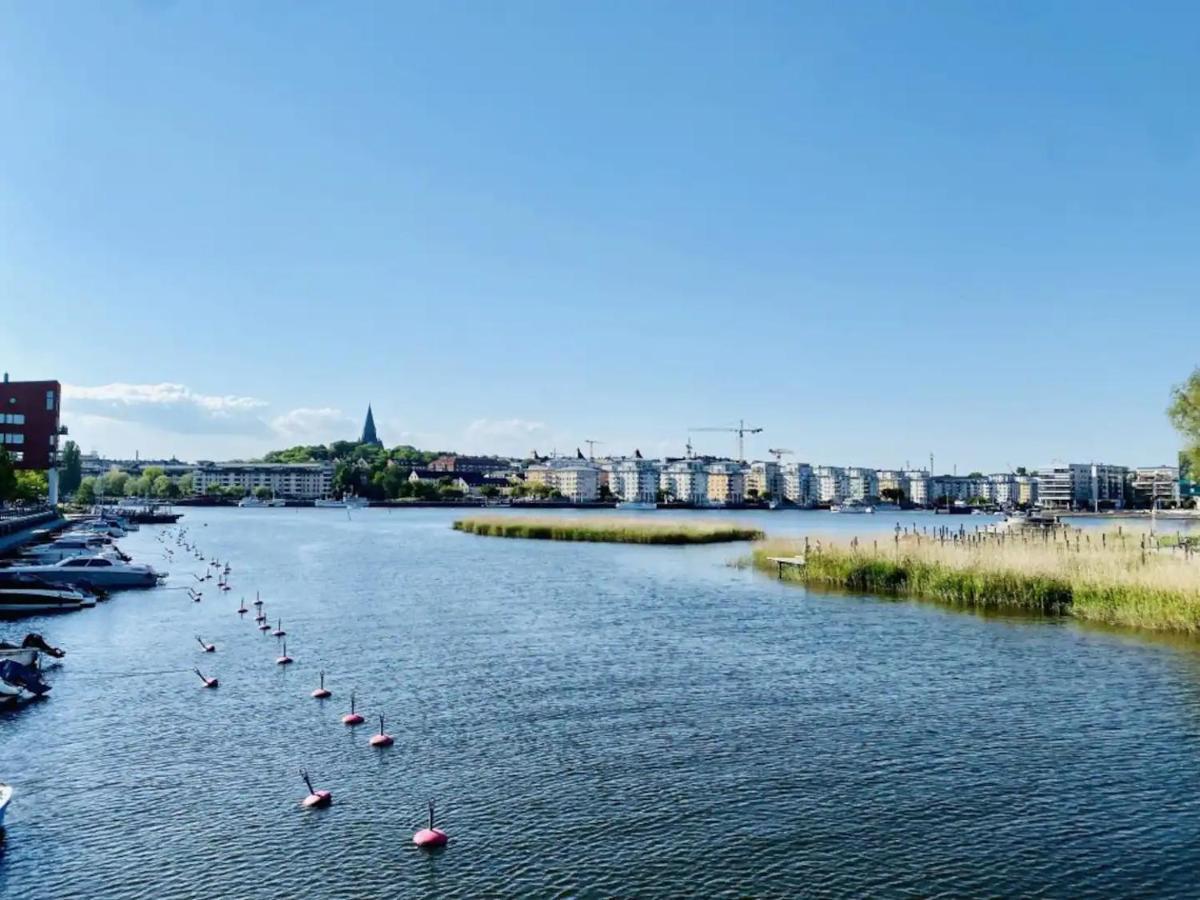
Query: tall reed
x=1120 y=579
x=610 y=530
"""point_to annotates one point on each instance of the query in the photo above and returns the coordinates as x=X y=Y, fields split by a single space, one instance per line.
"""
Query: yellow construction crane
x=741 y=431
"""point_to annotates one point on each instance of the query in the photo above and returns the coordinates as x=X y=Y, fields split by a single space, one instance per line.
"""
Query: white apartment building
x=1002 y=488
x=578 y=483
x=685 y=481
x=830 y=484
x=1156 y=485
x=633 y=480
x=300 y=481
x=918 y=487
x=1081 y=486
x=861 y=484
x=796 y=478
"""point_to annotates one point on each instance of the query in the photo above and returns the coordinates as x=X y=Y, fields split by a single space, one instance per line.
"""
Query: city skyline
x=875 y=233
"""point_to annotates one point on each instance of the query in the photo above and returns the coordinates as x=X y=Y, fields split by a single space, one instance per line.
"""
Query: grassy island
x=1128 y=580
x=609 y=530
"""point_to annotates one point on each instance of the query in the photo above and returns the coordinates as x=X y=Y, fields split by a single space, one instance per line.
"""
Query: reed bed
x=607 y=530
x=1125 y=579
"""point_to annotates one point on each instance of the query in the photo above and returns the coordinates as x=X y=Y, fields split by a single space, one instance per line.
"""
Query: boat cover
x=23 y=676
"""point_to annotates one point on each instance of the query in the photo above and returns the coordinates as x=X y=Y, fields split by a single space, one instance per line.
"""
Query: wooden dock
x=782 y=561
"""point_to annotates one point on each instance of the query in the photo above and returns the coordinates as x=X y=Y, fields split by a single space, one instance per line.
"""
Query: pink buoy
x=320 y=693
x=352 y=718
x=242 y=609
x=430 y=837
x=279 y=632
x=208 y=648
x=284 y=660
x=315 y=799
x=257 y=599
x=208 y=682
x=264 y=627
x=383 y=739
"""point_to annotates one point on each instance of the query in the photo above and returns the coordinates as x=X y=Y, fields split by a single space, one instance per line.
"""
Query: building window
x=49 y=400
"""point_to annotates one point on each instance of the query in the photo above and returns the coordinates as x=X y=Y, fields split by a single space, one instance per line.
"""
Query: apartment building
x=633 y=480
x=726 y=484
x=763 y=479
x=1153 y=485
x=685 y=481
x=578 y=483
x=861 y=484
x=796 y=483
x=300 y=481
x=1067 y=486
x=829 y=484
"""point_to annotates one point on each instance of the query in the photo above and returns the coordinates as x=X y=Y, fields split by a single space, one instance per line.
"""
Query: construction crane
x=741 y=431
x=778 y=453
x=591 y=447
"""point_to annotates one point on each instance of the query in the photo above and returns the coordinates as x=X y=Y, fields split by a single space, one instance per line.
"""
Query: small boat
x=6 y=793
x=30 y=651
x=636 y=504
x=19 y=683
x=851 y=506
x=248 y=502
x=276 y=502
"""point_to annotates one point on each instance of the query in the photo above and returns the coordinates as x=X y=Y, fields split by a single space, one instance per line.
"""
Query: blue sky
x=875 y=229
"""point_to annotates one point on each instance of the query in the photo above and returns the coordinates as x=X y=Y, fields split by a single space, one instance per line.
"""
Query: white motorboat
x=636 y=504
x=276 y=502
x=6 y=793
x=68 y=546
x=250 y=502
x=24 y=594
x=851 y=506
x=111 y=529
x=98 y=571
x=350 y=502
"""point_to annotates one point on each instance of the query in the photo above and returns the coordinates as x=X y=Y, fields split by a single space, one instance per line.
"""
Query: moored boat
x=636 y=504
x=98 y=571
x=6 y=793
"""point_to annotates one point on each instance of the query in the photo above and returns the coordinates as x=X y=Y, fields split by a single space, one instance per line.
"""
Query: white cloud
x=168 y=406
x=313 y=425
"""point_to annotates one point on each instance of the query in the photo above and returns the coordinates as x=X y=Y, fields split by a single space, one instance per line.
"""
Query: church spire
x=368 y=433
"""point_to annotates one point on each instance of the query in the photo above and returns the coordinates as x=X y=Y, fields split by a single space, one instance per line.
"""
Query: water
x=594 y=720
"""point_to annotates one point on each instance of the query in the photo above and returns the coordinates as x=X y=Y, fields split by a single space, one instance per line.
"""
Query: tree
x=8 y=477
x=262 y=492
x=72 y=469
x=116 y=483
x=1184 y=413
x=490 y=491
x=163 y=487
x=86 y=492
x=187 y=485
x=150 y=473
x=32 y=486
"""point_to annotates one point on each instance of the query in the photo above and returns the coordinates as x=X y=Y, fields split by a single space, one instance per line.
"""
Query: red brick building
x=29 y=426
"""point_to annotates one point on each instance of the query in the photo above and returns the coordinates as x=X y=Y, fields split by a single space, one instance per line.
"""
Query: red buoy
x=430 y=837
x=320 y=693
x=383 y=739
x=242 y=609
x=279 y=632
x=315 y=799
x=352 y=718
x=284 y=660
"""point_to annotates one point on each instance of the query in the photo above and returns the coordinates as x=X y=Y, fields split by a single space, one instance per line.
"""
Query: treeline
x=153 y=483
